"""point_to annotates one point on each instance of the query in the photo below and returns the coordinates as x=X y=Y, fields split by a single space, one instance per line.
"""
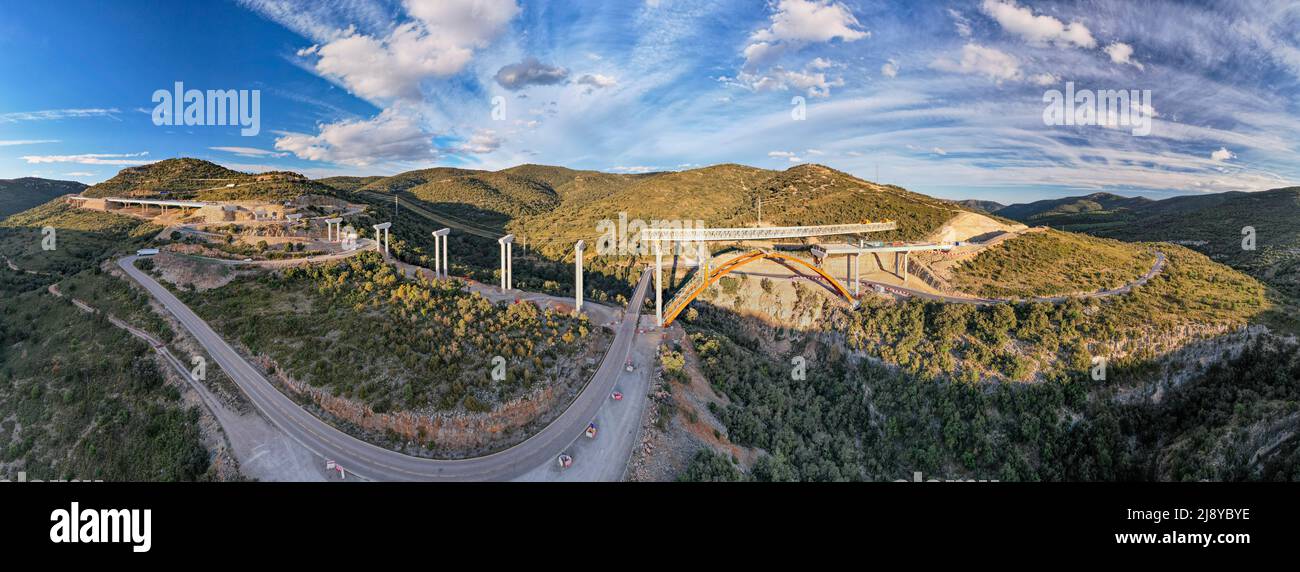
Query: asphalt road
x=376 y=463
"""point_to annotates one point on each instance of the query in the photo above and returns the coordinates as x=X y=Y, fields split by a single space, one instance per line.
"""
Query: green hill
x=981 y=206
x=1212 y=224
x=409 y=179
x=197 y=179
x=168 y=177
x=1097 y=207
x=17 y=195
x=1052 y=263
x=549 y=208
x=348 y=184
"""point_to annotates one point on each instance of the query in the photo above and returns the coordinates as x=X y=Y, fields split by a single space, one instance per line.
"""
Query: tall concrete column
x=506 y=243
x=440 y=269
x=333 y=229
x=382 y=246
x=857 y=275
x=848 y=271
x=577 y=274
x=904 y=267
x=659 y=294
x=437 y=257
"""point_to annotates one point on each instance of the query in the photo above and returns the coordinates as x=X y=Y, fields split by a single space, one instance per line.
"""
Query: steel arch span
x=697 y=286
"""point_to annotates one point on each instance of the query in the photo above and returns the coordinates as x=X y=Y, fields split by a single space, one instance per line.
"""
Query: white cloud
x=529 y=72
x=788 y=155
x=485 y=141
x=597 y=81
x=633 y=169
x=90 y=159
x=439 y=42
x=814 y=84
x=809 y=21
x=795 y=24
x=390 y=136
x=811 y=81
x=79 y=174
x=51 y=114
x=1044 y=79
x=13 y=142
x=961 y=23
x=1223 y=154
x=982 y=60
x=249 y=151
x=1038 y=29
x=938 y=151
x=889 y=69
x=1122 y=53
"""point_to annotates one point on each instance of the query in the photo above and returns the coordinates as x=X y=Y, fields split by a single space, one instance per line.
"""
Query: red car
x=617 y=395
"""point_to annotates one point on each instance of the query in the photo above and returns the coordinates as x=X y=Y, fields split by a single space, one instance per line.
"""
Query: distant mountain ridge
x=989 y=207
x=17 y=195
x=1088 y=205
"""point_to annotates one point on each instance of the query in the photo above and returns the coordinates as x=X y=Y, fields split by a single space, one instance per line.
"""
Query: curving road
x=376 y=463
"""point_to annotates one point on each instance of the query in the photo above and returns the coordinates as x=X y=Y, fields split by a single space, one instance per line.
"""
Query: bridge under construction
x=706 y=276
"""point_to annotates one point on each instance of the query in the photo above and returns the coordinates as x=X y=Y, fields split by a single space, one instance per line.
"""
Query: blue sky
x=945 y=98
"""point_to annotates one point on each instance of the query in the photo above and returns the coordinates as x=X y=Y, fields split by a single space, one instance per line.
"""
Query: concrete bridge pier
x=507 y=255
x=577 y=274
x=441 y=268
x=382 y=246
x=659 y=292
x=334 y=229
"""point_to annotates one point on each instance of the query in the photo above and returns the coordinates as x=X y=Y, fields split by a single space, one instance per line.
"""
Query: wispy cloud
x=91 y=159
x=250 y=151
x=13 y=142
x=52 y=114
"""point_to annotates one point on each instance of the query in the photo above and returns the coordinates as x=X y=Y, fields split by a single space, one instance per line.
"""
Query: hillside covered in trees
x=856 y=419
x=79 y=397
x=359 y=330
x=17 y=195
